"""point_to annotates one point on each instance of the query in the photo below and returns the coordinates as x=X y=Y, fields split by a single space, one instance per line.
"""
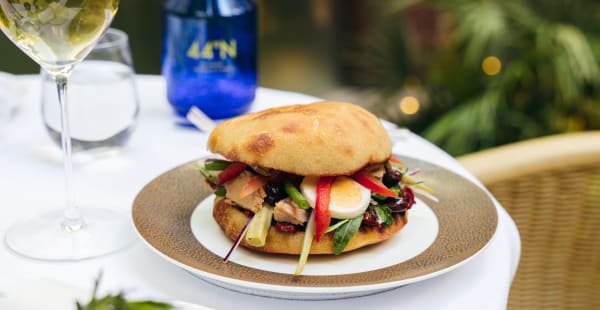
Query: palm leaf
x=578 y=53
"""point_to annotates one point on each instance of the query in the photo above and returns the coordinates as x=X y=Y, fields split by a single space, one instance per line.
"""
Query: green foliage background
x=429 y=49
x=549 y=82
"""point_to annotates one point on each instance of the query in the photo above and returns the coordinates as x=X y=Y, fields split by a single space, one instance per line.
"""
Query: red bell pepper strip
x=396 y=161
x=373 y=184
x=231 y=172
x=322 y=214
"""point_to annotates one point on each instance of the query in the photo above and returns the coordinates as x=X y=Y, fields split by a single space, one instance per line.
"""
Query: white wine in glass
x=58 y=34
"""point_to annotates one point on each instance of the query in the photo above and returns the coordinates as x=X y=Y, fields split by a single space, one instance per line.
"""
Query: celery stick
x=309 y=233
x=408 y=180
x=259 y=226
x=335 y=226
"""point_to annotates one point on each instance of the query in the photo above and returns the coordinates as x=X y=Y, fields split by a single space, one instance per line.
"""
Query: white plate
x=439 y=237
x=418 y=234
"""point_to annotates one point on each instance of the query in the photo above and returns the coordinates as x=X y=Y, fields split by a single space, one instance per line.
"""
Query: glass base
x=44 y=237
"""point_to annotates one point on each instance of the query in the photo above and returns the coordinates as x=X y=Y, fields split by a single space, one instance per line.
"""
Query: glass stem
x=72 y=216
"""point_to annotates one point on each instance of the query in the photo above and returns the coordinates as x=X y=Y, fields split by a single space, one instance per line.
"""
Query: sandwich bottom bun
x=232 y=220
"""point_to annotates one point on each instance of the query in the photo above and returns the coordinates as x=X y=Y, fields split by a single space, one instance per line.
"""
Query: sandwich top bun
x=321 y=138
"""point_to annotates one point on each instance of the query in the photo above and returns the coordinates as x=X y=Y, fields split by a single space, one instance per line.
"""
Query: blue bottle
x=209 y=55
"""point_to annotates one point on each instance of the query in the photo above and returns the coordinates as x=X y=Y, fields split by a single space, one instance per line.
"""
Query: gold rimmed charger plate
x=467 y=220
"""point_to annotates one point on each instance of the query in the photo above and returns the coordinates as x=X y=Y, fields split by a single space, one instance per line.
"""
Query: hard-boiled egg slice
x=348 y=199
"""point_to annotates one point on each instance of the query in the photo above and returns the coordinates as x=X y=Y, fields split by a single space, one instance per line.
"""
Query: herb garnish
x=344 y=233
x=385 y=214
x=119 y=302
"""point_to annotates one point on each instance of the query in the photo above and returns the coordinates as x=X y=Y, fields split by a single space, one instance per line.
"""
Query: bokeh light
x=491 y=65
x=409 y=105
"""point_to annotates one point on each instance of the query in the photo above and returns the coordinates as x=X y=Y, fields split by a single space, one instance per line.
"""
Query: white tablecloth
x=31 y=181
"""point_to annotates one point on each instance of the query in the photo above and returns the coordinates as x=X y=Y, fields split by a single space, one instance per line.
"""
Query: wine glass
x=58 y=34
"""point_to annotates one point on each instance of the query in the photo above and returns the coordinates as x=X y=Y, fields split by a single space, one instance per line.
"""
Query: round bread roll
x=232 y=221
x=318 y=139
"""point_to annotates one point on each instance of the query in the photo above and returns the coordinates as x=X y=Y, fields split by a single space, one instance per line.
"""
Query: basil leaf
x=205 y=174
x=216 y=165
x=221 y=192
x=380 y=198
x=385 y=214
x=344 y=233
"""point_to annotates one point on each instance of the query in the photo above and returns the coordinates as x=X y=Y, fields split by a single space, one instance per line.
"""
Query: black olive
x=369 y=218
x=404 y=202
x=398 y=204
x=275 y=192
x=392 y=177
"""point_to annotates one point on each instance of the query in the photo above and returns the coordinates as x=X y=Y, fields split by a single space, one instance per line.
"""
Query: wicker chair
x=551 y=188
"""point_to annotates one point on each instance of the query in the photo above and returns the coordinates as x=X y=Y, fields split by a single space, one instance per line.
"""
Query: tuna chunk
x=252 y=202
x=377 y=171
x=286 y=210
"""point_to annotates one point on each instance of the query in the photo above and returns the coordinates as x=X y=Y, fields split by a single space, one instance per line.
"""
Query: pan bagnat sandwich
x=307 y=179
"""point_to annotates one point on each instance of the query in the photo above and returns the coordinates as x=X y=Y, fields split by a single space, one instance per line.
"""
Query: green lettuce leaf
x=344 y=233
